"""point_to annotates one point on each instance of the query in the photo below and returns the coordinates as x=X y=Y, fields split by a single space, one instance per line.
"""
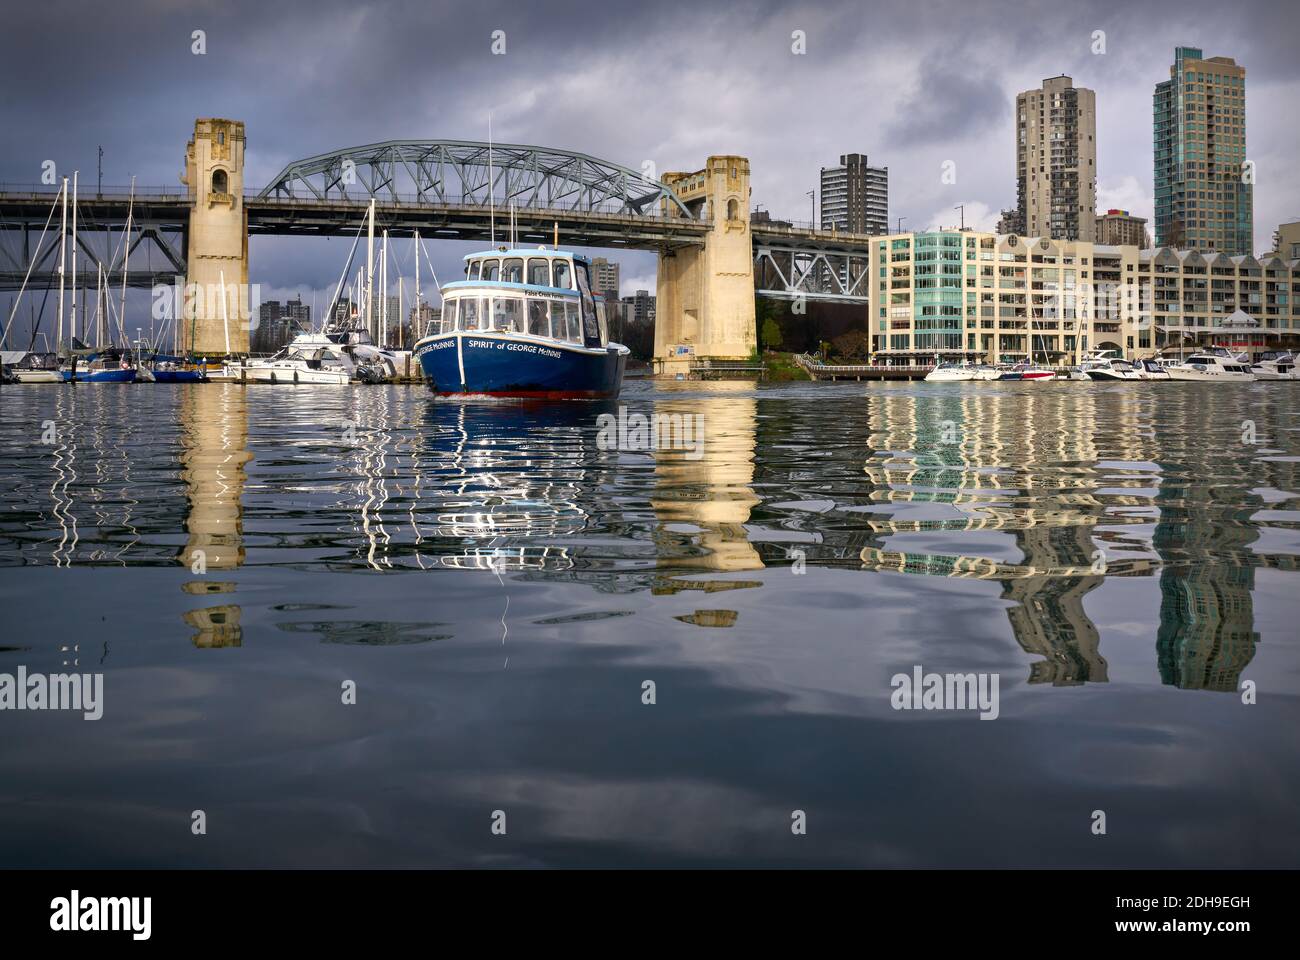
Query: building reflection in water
x=214 y=439
x=1018 y=465
x=1206 y=635
x=706 y=499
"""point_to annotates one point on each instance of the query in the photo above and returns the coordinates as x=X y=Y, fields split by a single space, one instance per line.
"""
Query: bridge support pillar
x=218 y=241
x=704 y=306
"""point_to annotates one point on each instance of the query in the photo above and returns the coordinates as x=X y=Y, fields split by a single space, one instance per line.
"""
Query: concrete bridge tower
x=217 y=240
x=704 y=307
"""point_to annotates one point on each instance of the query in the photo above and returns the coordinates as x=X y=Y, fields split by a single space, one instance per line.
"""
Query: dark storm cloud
x=948 y=104
x=910 y=84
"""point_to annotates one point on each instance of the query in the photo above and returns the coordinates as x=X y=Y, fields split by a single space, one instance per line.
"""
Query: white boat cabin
x=534 y=293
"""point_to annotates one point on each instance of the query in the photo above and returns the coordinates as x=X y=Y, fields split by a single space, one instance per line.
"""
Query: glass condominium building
x=1203 y=190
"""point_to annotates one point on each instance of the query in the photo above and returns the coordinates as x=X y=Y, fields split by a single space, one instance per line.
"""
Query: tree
x=771 y=334
x=853 y=345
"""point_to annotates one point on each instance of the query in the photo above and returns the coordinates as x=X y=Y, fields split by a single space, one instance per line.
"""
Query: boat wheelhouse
x=523 y=323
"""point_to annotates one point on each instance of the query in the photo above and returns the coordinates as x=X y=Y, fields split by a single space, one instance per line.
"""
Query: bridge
x=713 y=256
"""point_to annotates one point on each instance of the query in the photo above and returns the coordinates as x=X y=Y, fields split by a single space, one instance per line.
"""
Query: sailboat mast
x=383 y=293
x=419 y=314
x=63 y=250
x=126 y=250
x=73 y=322
x=370 y=260
x=492 y=194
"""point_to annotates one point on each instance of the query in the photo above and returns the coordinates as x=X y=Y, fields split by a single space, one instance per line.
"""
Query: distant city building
x=1120 y=227
x=855 y=196
x=1203 y=199
x=1056 y=161
x=344 y=311
x=278 y=323
x=423 y=318
x=1010 y=223
x=764 y=217
x=642 y=306
x=1286 y=241
x=604 y=278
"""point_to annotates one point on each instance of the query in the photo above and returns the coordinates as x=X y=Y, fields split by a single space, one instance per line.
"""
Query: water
x=499 y=588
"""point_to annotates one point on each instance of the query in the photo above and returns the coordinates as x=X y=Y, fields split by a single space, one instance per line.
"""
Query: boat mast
x=63 y=250
x=419 y=315
x=72 y=324
x=126 y=253
x=492 y=197
x=370 y=260
x=383 y=293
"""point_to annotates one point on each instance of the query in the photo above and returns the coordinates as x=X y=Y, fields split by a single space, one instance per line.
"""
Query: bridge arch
x=476 y=174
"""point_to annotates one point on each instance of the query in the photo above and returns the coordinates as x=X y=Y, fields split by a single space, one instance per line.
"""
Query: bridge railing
x=610 y=208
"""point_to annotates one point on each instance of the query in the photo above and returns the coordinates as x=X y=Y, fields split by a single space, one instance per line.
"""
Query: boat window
x=539 y=271
x=513 y=270
x=448 y=322
x=471 y=271
x=507 y=315
x=539 y=320
x=562 y=278
x=469 y=314
x=491 y=269
x=590 y=325
x=572 y=330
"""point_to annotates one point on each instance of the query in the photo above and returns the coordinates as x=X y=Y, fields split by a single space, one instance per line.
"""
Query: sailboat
x=27 y=366
x=98 y=364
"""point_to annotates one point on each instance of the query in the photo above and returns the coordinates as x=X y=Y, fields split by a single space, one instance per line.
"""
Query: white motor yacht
x=1216 y=365
x=949 y=372
x=1275 y=365
x=1107 y=365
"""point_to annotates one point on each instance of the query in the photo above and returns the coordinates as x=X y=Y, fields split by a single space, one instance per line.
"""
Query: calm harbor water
x=500 y=587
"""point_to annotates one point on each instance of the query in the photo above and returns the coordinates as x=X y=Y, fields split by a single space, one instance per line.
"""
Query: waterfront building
x=1204 y=188
x=855 y=196
x=991 y=297
x=1056 y=160
x=1120 y=228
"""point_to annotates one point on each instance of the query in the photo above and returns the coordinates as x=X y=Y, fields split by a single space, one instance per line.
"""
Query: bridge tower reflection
x=214 y=432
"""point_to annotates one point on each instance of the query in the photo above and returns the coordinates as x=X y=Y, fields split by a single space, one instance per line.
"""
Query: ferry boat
x=523 y=323
x=1216 y=365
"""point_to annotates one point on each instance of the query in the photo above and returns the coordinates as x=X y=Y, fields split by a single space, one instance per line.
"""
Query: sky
x=912 y=85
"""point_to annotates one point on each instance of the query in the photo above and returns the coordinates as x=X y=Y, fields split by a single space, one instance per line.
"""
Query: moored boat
x=1275 y=365
x=1215 y=365
x=523 y=324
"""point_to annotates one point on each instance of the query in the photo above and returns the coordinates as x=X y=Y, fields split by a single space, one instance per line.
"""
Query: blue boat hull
x=179 y=376
x=101 y=376
x=505 y=366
